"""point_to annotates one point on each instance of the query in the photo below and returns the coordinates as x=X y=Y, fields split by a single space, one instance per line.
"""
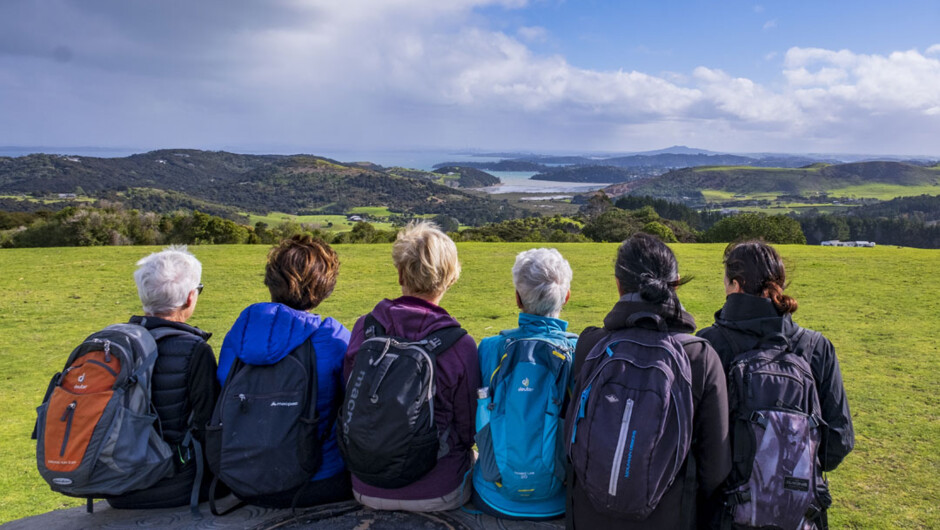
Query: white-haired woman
x=184 y=384
x=526 y=375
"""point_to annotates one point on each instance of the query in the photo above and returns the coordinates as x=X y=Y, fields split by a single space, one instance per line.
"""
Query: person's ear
x=401 y=279
x=567 y=297
x=619 y=287
x=190 y=300
x=519 y=301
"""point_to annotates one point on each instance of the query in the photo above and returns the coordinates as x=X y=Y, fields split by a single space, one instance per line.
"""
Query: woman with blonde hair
x=427 y=265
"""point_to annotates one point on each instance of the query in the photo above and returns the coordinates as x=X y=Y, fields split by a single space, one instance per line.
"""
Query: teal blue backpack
x=520 y=442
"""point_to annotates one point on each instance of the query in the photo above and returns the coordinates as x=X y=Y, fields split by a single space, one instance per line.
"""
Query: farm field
x=329 y=223
x=880 y=307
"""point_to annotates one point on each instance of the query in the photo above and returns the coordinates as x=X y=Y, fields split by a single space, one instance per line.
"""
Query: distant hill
x=587 y=174
x=468 y=177
x=502 y=165
x=256 y=183
x=814 y=178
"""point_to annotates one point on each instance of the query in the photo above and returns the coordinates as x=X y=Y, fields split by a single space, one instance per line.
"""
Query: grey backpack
x=629 y=424
x=97 y=432
x=776 y=480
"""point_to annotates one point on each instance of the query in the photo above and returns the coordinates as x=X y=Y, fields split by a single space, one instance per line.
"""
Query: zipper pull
x=747 y=383
x=243 y=403
x=107 y=351
x=69 y=410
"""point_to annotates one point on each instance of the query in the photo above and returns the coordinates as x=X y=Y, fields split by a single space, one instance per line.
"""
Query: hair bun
x=654 y=289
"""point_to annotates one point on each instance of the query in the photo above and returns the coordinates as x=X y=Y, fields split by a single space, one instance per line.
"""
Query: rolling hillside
x=817 y=178
x=257 y=183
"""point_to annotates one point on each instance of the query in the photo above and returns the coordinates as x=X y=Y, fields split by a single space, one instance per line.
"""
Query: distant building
x=837 y=243
x=67 y=196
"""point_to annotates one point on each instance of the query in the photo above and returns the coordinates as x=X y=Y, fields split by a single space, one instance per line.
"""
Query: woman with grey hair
x=526 y=373
x=184 y=385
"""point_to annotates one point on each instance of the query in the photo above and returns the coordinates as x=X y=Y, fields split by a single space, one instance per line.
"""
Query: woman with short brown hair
x=300 y=273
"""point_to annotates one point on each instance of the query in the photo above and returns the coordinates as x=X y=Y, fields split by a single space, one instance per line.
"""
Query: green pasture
x=880 y=307
x=331 y=223
x=885 y=192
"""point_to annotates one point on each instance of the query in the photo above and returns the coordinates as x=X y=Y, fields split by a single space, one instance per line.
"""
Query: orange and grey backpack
x=97 y=432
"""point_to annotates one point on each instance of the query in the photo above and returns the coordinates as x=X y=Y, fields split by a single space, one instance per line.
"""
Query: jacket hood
x=265 y=333
x=755 y=316
x=151 y=323
x=677 y=319
x=411 y=317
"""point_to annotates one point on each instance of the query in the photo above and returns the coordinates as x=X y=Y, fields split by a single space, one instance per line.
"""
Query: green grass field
x=880 y=307
x=330 y=223
x=885 y=192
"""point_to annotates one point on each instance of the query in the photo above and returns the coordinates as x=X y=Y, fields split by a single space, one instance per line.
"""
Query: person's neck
x=429 y=298
x=174 y=316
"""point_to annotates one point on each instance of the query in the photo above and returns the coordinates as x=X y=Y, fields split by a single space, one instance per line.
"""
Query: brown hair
x=301 y=272
x=759 y=270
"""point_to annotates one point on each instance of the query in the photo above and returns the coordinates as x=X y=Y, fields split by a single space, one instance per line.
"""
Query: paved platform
x=344 y=515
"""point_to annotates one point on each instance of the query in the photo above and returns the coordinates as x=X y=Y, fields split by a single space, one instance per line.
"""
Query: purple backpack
x=776 y=480
x=629 y=425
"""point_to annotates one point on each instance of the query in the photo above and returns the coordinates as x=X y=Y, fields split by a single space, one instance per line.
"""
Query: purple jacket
x=457 y=378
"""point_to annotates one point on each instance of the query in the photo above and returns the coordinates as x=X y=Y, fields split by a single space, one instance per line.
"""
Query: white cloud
x=423 y=72
x=770 y=24
x=532 y=33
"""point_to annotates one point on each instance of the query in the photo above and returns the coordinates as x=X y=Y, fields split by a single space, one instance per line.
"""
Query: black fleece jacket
x=711 y=449
x=753 y=320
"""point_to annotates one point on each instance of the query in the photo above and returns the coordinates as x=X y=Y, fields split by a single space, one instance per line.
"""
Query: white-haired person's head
x=543 y=281
x=426 y=260
x=168 y=283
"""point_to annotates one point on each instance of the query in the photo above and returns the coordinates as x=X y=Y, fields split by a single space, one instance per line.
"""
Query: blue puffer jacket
x=491 y=351
x=265 y=333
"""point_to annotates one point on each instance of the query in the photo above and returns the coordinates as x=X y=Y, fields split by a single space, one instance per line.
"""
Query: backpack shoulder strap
x=735 y=349
x=372 y=327
x=439 y=341
x=805 y=342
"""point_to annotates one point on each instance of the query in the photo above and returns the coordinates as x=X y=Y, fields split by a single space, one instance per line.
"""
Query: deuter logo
x=62 y=481
x=284 y=403
x=525 y=386
x=81 y=379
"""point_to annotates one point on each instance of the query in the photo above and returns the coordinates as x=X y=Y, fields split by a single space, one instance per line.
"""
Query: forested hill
x=814 y=178
x=256 y=183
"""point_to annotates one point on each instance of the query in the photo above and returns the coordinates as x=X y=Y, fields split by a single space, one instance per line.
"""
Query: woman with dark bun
x=300 y=274
x=757 y=314
x=647 y=276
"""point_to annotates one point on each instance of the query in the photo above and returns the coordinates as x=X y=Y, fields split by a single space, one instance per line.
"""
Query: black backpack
x=386 y=427
x=776 y=480
x=262 y=438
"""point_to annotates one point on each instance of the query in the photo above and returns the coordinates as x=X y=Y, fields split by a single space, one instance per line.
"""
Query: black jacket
x=183 y=383
x=752 y=320
x=711 y=449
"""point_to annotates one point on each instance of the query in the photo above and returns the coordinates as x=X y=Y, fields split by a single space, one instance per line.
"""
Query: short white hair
x=164 y=279
x=542 y=278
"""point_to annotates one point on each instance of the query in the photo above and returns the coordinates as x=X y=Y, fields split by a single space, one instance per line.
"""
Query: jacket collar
x=755 y=316
x=151 y=322
x=530 y=323
x=677 y=319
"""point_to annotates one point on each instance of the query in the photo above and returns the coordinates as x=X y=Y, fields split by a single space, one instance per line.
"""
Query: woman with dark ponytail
x=647 y=276
x=757 y=314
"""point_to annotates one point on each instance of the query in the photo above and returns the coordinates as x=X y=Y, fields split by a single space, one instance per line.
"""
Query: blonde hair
x=426 y=259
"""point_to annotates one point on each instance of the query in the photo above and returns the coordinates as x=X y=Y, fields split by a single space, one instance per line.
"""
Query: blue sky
x=540 y=75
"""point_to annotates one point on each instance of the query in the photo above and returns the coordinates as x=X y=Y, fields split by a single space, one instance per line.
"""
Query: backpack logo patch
x=798 y=484
x=525 y=386
x=284 y=403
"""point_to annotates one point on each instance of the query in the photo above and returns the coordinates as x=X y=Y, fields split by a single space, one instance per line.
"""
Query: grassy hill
x=883 y=180
x=297 y=184
x=878 y=306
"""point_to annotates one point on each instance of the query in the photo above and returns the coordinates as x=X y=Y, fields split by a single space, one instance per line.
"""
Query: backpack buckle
x=434 y=342
x=738 y=497
x=758 y=418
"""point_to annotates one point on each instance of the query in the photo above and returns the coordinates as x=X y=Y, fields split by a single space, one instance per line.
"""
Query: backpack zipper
x=67 y=417
x=621 y=443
